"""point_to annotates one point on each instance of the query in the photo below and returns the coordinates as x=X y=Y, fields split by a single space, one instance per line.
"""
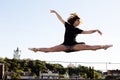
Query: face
x=76 y=23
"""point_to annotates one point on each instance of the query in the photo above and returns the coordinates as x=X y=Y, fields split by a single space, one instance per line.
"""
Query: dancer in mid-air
x=71 y=31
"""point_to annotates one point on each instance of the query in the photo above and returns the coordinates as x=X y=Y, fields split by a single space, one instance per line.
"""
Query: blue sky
x=29 y=23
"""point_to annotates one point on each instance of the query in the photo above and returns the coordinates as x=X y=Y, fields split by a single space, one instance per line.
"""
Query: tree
x=97 y=75
x=35 y=66
x=15 y=76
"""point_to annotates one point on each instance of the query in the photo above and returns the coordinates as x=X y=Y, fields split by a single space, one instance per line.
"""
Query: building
x=71 y=65
x=23 y=75
x=113 y=72
x=49 y=75
x=112 y=75
x=17 y=53
x=1 y=71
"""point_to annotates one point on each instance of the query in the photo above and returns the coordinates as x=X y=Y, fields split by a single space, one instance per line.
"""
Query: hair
x=73 y=17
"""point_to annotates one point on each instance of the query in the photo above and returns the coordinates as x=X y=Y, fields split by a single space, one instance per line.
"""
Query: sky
x=29 y=23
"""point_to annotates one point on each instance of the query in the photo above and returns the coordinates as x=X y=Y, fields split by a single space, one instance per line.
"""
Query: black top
x=70 y=34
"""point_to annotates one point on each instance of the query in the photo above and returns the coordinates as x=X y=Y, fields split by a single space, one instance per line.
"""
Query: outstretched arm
x=58 y=16
x=92 y=31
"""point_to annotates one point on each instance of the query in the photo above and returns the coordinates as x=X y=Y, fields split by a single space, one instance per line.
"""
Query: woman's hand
x=58 y=16
x=99 y=32
x=52 y=11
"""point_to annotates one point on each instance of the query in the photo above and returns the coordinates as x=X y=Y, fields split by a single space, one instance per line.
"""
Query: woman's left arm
x=91 y=31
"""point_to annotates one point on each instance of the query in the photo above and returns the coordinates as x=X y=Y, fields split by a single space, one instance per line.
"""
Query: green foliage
x=15 y=76
x=98 y=75
x=34 y=66
x=85 y=72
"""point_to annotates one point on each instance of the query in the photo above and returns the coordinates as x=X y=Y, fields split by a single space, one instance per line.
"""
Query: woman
x=71 y=31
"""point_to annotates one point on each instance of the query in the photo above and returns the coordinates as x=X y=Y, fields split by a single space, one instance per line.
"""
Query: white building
x=17 y=53
x=71 y=65
x=49 y=75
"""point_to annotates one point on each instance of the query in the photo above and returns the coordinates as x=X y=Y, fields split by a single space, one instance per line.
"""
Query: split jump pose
x=71 y=31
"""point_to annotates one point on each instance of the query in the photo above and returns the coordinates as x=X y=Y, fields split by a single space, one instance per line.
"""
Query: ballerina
x=71 y=31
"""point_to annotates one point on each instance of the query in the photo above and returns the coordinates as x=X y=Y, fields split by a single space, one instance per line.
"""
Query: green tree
x=97 y=75
x=50 y=66
x=15 y=76
x=39 y=66
x=59 y=68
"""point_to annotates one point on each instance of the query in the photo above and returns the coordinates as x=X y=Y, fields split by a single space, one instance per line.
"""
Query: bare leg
x=80 y=47
x=52 y=49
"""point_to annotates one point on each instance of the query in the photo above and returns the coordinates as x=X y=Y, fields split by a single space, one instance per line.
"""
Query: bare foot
x=105 y=47
x=33 y=49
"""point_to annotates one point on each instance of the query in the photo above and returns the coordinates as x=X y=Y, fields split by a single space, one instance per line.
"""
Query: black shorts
x=70 y=48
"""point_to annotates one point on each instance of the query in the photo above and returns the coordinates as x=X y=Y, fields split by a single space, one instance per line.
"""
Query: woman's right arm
x=58 y=16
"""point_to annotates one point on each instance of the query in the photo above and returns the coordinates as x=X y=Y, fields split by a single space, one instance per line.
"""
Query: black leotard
x=70 y=34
